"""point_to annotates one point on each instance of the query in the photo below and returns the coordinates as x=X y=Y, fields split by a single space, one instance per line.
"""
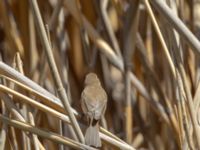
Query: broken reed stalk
x=60 y=89
x=6 y=107
x=34 y=103
x=19 y=67
x=46 y=97
x=40 y=96
x=8 y=71
x=51 y=135
x=34 y=136
x=163 y=99
x=54 y=101
x=47 y=134
x=59 y=115
x=15 y=111
x=51 y=101
x=156 y=92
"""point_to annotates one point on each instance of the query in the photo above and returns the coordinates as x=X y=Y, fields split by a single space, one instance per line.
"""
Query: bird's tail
x=92 y=135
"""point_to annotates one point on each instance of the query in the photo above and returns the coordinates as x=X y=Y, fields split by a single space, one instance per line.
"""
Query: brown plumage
x=93 y=103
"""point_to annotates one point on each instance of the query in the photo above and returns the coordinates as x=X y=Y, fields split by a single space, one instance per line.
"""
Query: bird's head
x=91 y=79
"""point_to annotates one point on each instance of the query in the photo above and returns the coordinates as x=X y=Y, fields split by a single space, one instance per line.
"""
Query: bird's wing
x=100 y=102
x=83 y=103
x=94 y=101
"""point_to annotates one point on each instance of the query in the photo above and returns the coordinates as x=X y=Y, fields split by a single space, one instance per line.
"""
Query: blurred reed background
x=145 y=52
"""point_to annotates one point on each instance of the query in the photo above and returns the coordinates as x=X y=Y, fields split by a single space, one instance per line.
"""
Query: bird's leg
x=94 y=122
x=91 y=120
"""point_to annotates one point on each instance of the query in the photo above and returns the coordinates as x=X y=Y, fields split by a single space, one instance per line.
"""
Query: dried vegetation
x=145 y=52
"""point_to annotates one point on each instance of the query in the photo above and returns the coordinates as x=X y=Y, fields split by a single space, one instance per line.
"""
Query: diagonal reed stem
x=60 y=89
x=46 y=134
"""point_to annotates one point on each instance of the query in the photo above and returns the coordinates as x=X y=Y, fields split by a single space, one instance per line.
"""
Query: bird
x=93 y=103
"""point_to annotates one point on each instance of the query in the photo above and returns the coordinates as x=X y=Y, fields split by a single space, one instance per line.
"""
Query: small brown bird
x=93 y=103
